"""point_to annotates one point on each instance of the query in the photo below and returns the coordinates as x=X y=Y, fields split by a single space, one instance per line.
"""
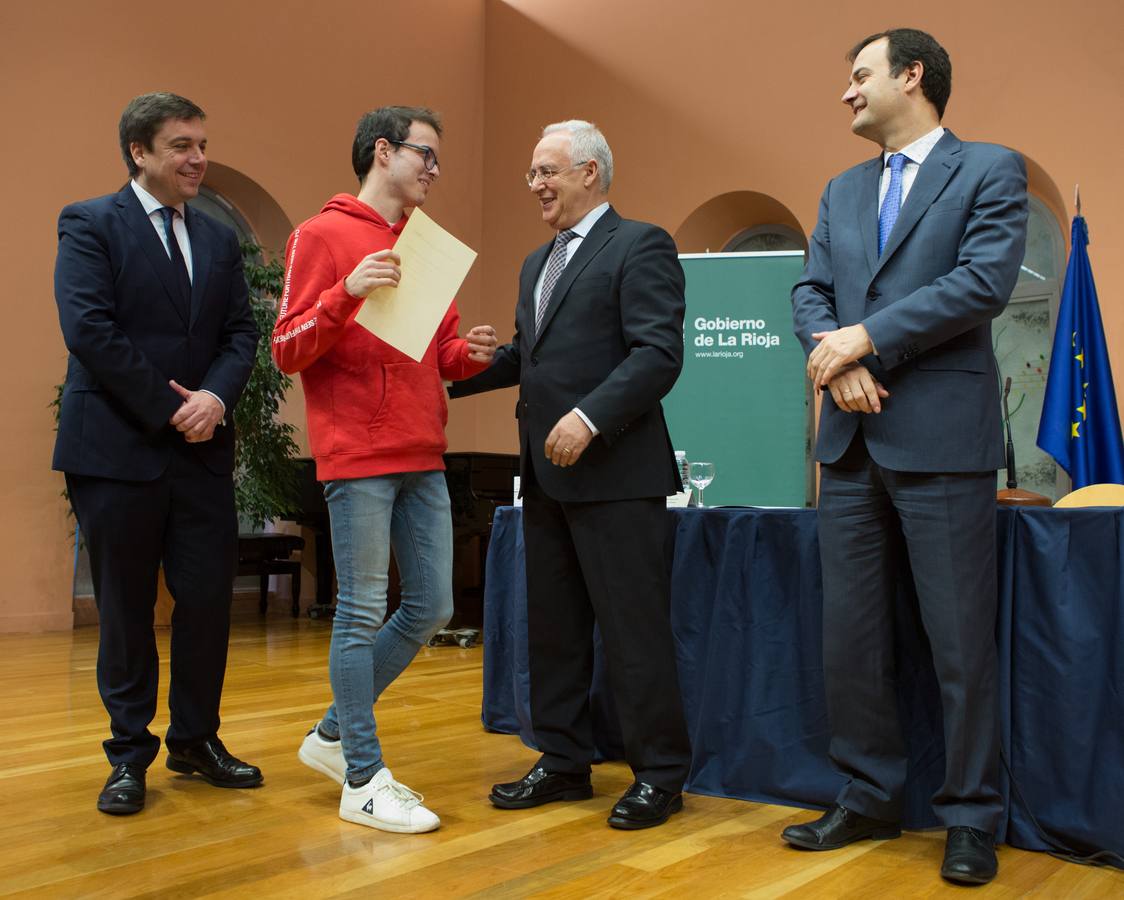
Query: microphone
x=1014 y=495
x=1012 y=478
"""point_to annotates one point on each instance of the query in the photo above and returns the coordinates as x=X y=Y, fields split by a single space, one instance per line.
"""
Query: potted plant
x=265 y=480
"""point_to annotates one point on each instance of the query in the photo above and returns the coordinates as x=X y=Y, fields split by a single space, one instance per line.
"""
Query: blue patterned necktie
x=179 y=265
x=888 y=215
x=554 y=266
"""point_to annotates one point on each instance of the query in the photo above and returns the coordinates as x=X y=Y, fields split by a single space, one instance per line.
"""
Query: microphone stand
x=1014 y=495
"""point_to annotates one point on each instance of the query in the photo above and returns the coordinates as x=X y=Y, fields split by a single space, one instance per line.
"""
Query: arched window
x=766 y=239
x=1022 y=336
x=218 y=207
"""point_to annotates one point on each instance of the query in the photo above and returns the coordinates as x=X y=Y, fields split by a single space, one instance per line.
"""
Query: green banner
x=743 y=401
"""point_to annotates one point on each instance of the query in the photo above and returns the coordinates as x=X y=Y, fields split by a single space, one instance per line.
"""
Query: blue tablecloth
x=746 y=613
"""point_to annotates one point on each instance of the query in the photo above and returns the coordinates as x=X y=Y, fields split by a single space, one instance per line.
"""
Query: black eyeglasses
x=429 y=158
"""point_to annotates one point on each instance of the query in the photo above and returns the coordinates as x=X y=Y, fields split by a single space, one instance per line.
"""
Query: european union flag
x=1080 y=426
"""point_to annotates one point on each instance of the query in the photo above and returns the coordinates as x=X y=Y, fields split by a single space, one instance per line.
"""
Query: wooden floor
x=285 y=839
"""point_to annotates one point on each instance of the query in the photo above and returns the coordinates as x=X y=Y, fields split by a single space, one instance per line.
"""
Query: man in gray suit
x=913 y=255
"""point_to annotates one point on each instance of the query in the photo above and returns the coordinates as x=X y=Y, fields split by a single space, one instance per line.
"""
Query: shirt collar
x=920 y=148
x=150 y=203
x=583 y=228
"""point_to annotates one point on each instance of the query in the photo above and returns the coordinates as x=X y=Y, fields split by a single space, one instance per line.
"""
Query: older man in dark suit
x=154 y=311
x=599 y=340
x=914 y=253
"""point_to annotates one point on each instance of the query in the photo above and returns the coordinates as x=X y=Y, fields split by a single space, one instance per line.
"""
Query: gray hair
x=586 y=143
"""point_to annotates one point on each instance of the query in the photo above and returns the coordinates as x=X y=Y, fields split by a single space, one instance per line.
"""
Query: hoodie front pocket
x=414 y=410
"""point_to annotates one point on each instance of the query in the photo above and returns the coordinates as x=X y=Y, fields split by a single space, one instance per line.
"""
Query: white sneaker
x=386 y=804
x=326 y=757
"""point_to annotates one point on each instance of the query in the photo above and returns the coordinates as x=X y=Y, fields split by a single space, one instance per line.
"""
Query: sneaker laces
x=403 y=796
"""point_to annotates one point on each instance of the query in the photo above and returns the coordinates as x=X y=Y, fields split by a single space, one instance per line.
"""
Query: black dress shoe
x=837 y=828
x=644 y=805
x=213 y=761
x=540 y=786
x=123 y=793
x=969 y=856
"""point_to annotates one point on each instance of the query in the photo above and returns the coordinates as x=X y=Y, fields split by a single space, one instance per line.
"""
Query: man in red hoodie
x=376 y=424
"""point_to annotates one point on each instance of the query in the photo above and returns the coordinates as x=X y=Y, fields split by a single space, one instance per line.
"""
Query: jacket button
x=534 y=360
x=872 y=294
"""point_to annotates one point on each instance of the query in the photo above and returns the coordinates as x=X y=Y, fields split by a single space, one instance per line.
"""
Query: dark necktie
x=554 y=266
x=179 y=266
x=892 y=204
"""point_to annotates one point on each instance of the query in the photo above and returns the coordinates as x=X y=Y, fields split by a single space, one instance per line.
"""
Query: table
x=746 y=614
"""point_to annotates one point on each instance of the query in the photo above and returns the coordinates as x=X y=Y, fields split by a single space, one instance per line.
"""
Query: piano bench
x=268 y=554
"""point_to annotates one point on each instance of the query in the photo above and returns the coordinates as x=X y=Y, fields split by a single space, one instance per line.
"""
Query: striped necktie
x=554 y=266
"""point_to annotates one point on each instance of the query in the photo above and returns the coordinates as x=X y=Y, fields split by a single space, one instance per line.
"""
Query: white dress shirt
x=152 y=208
x=581 y=231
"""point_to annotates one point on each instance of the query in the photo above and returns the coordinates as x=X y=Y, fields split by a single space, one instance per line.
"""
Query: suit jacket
x=129 y=332
x=948 y=268
x=611 y=343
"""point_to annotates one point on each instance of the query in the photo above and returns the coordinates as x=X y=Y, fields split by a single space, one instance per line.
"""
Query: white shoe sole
x=313 y=763
x=360 y=818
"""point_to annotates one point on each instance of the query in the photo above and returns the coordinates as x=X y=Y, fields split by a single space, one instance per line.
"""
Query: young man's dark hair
x=390 y=122
x=145 y=114
x=908 y=45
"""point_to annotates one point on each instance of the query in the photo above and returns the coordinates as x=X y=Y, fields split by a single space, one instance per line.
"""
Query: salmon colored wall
x=283 y=84
x=698 y=101
x=722 y=99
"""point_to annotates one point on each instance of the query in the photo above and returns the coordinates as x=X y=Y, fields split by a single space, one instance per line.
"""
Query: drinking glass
x=701 y=475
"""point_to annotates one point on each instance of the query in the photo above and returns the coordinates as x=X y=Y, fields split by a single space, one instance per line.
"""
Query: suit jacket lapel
x=931 y=179
x=868 y=209
x=133 y=213
x=601 y=233
x=202 y=252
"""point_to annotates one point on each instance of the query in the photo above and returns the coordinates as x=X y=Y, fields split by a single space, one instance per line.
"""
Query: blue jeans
x=410 y=513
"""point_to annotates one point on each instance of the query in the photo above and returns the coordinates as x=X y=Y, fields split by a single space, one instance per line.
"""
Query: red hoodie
x=371 y=409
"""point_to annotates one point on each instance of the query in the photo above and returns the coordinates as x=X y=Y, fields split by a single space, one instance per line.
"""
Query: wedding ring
x=565 y=449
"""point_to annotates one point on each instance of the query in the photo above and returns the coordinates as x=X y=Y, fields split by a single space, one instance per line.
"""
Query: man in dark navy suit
x=598 y=342
x=154 y=311
x=914 y=253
